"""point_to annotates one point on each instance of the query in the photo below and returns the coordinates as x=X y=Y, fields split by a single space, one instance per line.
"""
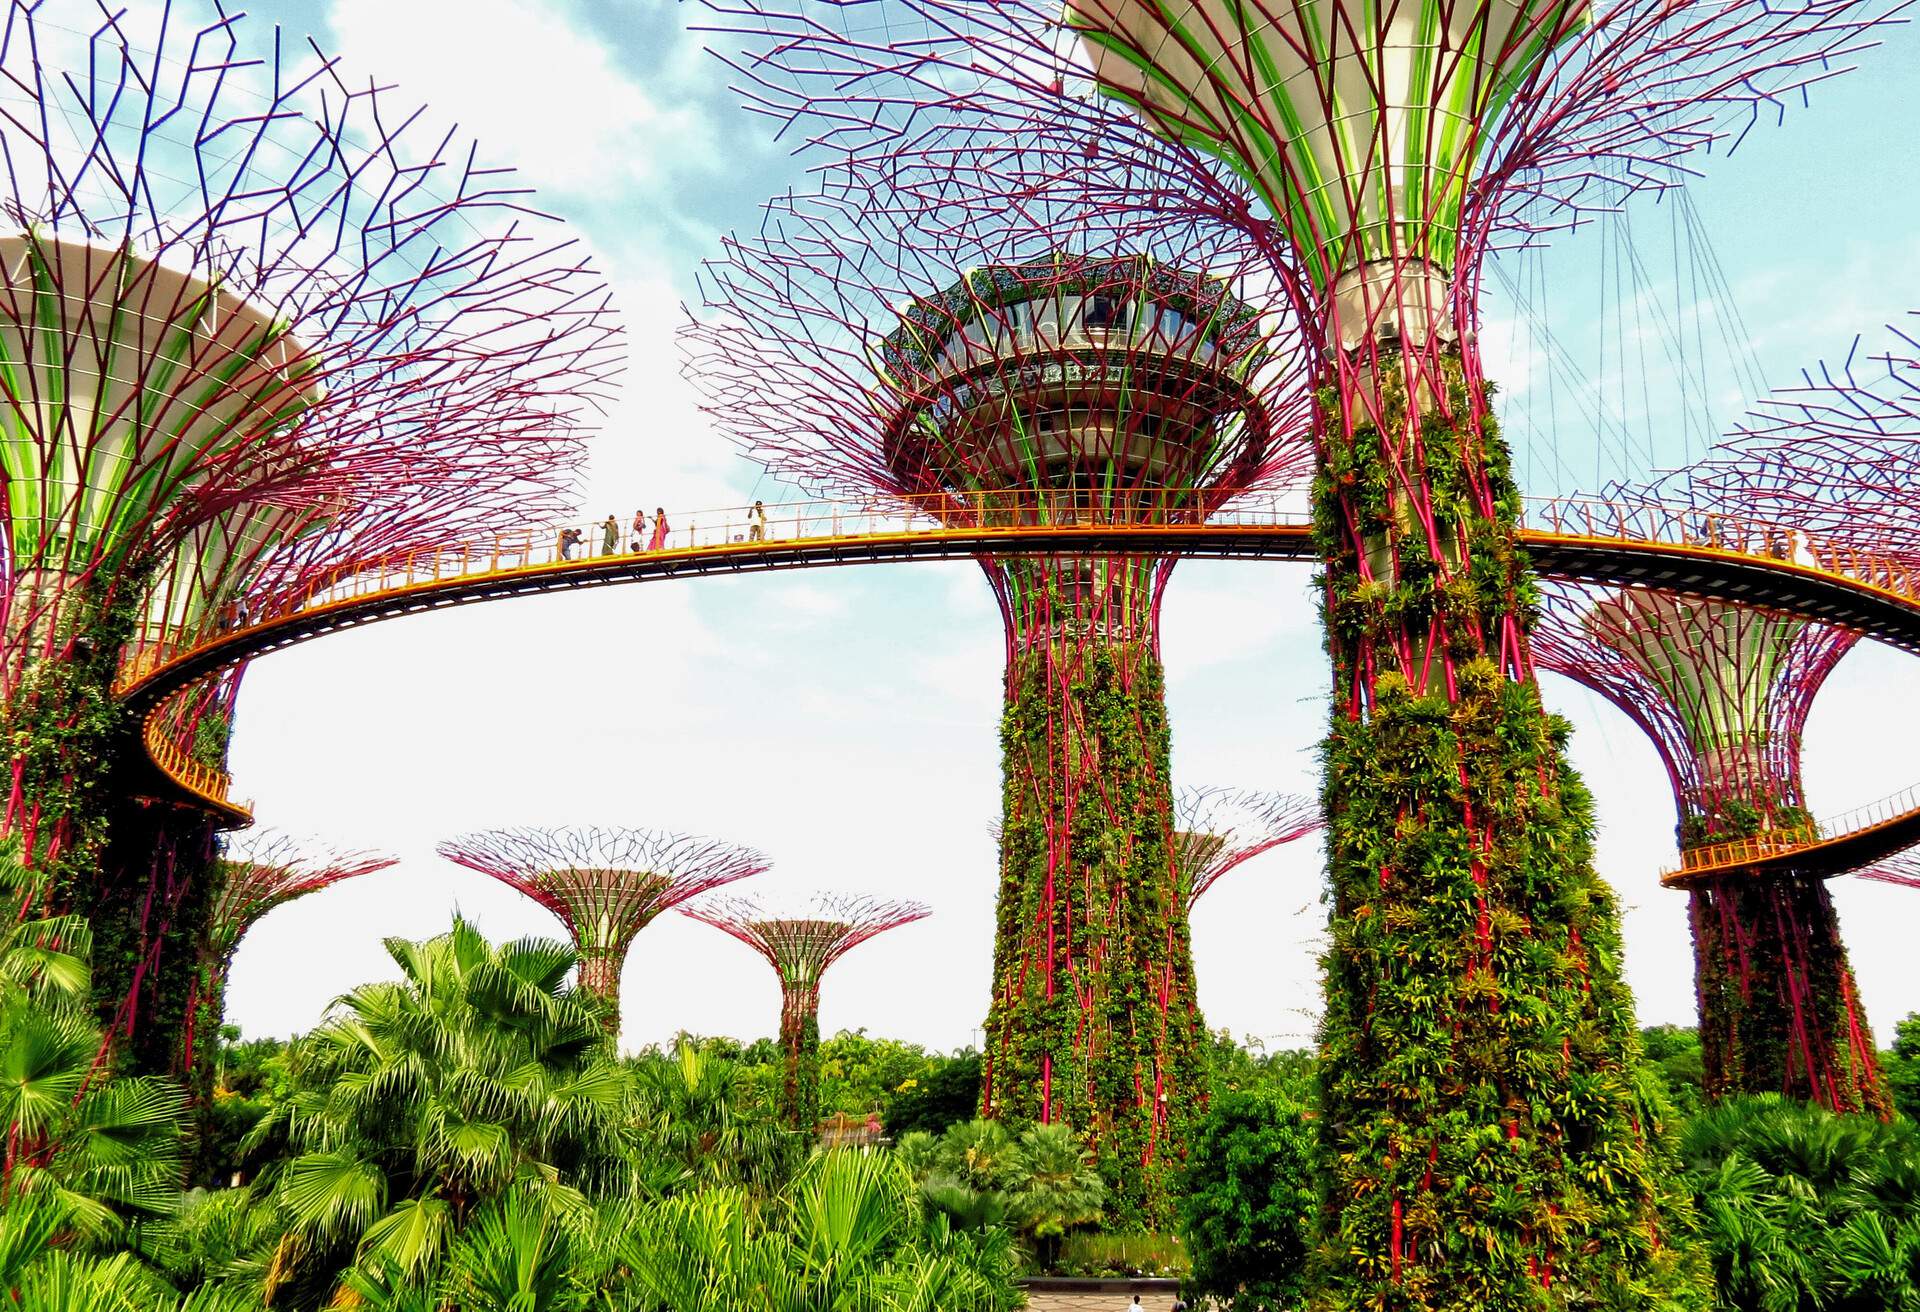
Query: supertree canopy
x=1478 y=1041
x=258 y=321
x=1223 y=828
x=1220 y=829
x=605 y=884
x=800 y=948
x=1724 y=691
x=946 y=360
x=253 y=875
x=1836 y=454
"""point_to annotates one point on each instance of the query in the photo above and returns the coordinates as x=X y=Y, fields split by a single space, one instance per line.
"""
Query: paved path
x=1096 y=1302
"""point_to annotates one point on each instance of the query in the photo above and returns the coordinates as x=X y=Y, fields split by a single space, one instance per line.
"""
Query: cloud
x=536 y=86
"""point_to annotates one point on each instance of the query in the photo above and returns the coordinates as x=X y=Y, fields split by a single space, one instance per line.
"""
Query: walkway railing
x=739 y=534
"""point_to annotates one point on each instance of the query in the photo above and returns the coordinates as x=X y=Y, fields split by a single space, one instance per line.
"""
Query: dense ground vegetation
x=464 y=1137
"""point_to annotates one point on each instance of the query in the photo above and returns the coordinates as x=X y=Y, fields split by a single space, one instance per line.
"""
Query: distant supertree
x=1724 y=691
x=253 y=875
x=800 y=948
x=954 y=366
x=1378 y=153
x=260 y=321
x=605 y=884
x=1220 y=828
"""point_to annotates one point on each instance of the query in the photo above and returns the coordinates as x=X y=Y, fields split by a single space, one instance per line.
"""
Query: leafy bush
x=978 y=1175
x=1807 y=1211
x=1902 y=1066
x=1250 y=1201
x=1129 y=1253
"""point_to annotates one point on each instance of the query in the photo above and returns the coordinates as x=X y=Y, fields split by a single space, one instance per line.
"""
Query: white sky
x=845 y=720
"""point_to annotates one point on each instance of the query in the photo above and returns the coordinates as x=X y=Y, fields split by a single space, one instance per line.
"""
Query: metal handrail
x=747 y=531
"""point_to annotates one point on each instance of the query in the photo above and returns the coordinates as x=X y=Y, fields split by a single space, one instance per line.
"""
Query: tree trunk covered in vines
x=1093 y=1021
x=1491 y=1137
x=600 y=976
x=800 y=1043
x=1779 y=1009
x=67 y=742
x=150 y=914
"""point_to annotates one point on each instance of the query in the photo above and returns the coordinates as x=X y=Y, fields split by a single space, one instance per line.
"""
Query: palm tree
x=1054 y=1188
x=418 y=1102
x=699 y=1128
x=1804 y=1210
x=100 y=1148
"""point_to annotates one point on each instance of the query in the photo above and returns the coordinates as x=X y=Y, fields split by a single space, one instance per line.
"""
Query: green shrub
x=1250 y=1200
x=1128 y=1253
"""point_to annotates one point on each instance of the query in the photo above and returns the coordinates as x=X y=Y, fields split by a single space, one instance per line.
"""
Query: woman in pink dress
x=659 y=538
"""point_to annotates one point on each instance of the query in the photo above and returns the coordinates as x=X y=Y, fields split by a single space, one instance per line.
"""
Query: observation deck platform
x=1595 y=541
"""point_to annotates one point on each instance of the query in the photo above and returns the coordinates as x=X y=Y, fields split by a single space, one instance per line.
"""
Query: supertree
x=800 y=948
x=253 y=875
x=1071 y=380
x=1836 y=454
x=1478 y=1041
x=1723 y=691
x=1222 y=828
x=605 y=884
x=259 y=321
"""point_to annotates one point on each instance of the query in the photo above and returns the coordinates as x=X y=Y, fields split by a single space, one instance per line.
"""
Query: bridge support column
x=1089 y=1025
x=1779 y=1009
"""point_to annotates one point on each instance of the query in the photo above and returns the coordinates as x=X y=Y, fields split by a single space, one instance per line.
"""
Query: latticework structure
x=1724 y=692
x=1222 y=828
x=259 y=321
x=846 y=349
x=605 y=884
x=253 y=875
x=800 y=948
x=1836 y=454
x=1378 y=153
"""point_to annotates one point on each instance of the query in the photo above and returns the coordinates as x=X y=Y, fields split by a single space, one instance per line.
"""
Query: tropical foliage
x=980 y=1175
x=1250 y=1200
x=1804 y=1210
x=462 y=1139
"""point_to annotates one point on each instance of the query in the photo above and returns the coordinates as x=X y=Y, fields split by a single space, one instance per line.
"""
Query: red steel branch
x=1220 y=828
x=1723 y=691
x=1837 y=453
x=357 y=335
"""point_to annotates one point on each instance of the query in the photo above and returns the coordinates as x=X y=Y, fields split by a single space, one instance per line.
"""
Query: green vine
x=1490 y=1136
x=800 y=1042
x=1115 y=1051
x=1779 y=1009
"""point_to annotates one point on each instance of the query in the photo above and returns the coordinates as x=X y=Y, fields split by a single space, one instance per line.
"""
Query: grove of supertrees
x=962 y=369
x=800 y=947
x=1724 y=691
x=1489 y=1139
x=253 y=874
x=605 y=884
x=260 y=320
